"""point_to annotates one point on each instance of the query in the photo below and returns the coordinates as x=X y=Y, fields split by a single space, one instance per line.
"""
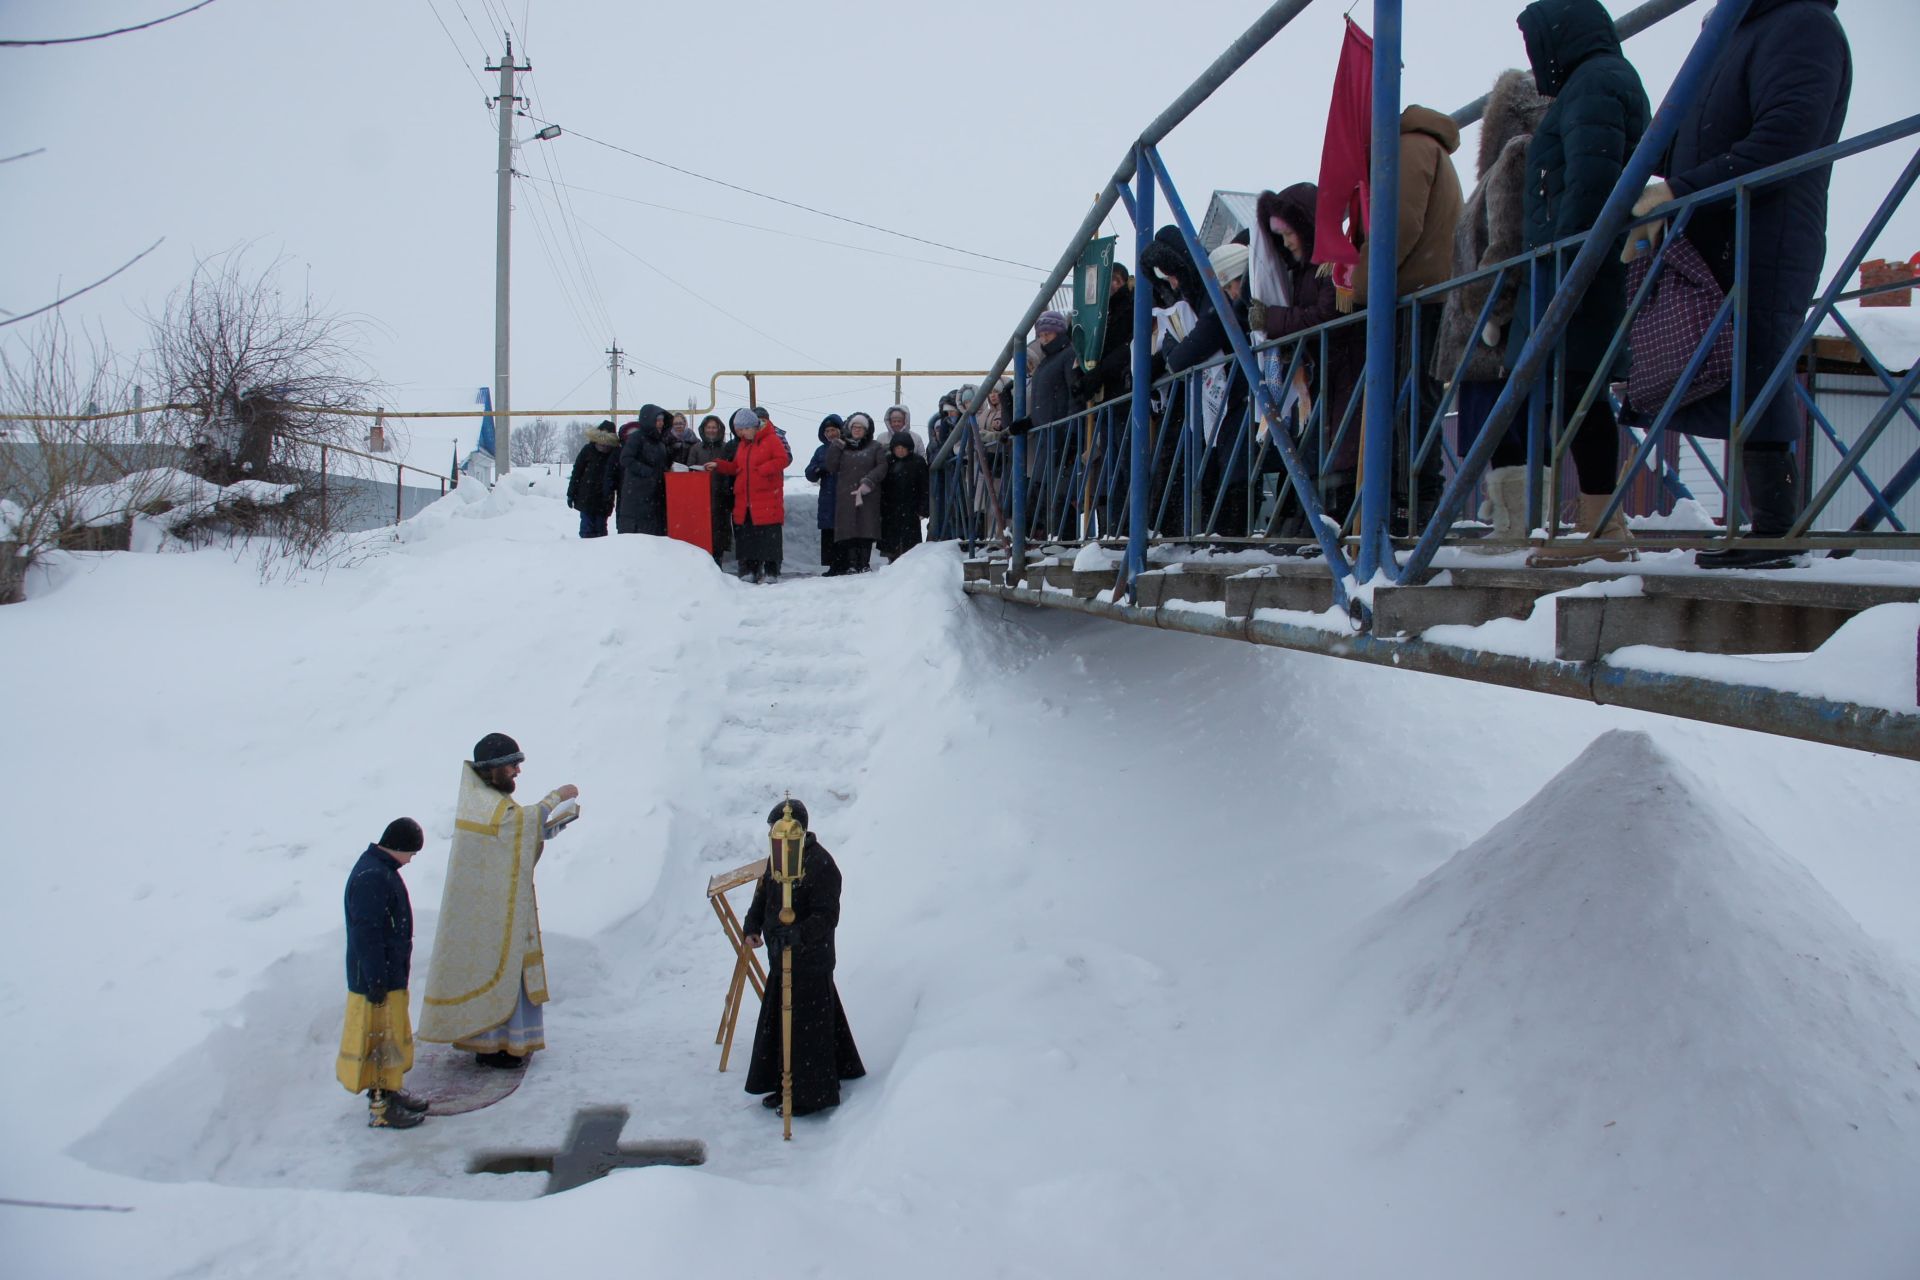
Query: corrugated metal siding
x=1228 y=213
x=1850 y=403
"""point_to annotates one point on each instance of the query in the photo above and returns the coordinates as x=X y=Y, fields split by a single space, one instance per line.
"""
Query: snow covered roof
x=1892 y=333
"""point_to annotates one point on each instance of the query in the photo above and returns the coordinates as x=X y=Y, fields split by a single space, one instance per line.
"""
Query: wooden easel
x=746 y=964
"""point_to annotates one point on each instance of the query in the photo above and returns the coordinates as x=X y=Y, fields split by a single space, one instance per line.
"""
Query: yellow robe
x=488 y=938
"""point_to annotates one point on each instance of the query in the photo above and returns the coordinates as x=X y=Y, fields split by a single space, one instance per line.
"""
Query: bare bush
x=269 y=384
x=68 y=477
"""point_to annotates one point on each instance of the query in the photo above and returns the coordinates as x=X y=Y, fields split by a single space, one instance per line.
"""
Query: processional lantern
x=787 y=863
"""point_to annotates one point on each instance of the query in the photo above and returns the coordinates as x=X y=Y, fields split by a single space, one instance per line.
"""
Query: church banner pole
x=789 y=868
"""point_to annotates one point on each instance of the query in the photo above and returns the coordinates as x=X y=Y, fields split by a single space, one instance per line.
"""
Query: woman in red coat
x=759 y=465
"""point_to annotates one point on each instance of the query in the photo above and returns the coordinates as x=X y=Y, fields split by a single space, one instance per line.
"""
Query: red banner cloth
x=690 y=508
x=1341 y=219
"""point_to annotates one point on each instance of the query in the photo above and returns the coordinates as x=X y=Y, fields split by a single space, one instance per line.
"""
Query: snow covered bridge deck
x=1830 y=655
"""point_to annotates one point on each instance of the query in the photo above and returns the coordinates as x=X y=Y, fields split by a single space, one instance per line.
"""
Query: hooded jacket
x=1492 y=229
x=1430 y=204
x=817 y=472
x=904 y=494
x=590 y=487
x=1167 y=252
x=884 y=431
x=1314 y=303
x=645 y=457
x=857 y=470
x=1598 y=114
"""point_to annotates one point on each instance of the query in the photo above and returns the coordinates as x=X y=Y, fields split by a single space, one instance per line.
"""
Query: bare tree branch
x=21 y=44
x=37 y=151
x=95 y=285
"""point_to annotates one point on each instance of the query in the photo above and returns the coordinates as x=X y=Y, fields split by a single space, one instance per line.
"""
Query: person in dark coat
x=1332 y=379
x=1780 y=91
x=903 y=498
x=376 y=1044
x=710 y=445
x=939 y=428
x=1112 y=374
x=590 y=488
x=645 y=457
x=832 y=427
x=824 y=1053
x=1052 y=393
x=1225 y=463
x=857 y=465
x=1598 y=114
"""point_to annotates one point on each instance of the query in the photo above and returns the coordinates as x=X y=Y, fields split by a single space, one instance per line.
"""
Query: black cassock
x=823 y=1050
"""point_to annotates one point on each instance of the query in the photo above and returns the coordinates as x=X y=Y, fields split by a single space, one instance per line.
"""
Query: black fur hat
x=779 y=811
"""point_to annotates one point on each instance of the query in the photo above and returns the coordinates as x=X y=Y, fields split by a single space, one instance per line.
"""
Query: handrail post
x=1138 y=409
x=1017 y=555
x=1383 y=226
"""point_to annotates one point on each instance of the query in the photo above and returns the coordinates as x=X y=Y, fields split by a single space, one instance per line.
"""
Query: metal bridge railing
x=1190 y=470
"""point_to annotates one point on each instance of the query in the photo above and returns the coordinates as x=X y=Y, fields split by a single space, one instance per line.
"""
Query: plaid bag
x=1668 y=329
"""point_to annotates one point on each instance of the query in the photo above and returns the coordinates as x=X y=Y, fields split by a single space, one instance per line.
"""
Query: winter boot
x=407 y=1102
x=502 y=1060
x=1590 y=507
x=383 y=1114
x=1507 y=497
x=1773 y=493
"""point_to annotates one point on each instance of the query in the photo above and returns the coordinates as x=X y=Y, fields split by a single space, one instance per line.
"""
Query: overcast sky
x=350 y=138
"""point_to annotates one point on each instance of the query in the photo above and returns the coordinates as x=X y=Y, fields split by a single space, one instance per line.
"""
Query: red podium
x=690 y=508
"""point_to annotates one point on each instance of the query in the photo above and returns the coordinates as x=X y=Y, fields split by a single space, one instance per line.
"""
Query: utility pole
x=502 y=253
x=613 y=383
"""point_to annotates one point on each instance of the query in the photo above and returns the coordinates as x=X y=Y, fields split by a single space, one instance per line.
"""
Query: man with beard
x=487 y=978
x=823 y=1050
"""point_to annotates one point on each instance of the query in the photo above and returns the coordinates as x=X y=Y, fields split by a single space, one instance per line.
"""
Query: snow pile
x=1628 y=979
x=175 y=497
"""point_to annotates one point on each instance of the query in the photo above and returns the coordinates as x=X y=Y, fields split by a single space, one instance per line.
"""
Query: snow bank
x=1101 y=884
x=1628 y=982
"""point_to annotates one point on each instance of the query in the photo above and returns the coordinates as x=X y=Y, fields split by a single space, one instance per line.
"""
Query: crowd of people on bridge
x=1554 y=142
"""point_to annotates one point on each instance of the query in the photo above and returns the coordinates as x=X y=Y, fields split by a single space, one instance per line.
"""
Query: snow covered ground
x=1147 y=984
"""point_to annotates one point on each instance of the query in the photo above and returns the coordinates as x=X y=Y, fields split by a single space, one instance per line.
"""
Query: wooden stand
x=746 y=964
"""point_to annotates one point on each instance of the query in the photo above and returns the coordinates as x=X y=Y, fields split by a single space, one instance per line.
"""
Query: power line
x=697 y=297
x=455 y=44
x=792 y=204
x=567 y=295
x=102 y=35
x=796 y=235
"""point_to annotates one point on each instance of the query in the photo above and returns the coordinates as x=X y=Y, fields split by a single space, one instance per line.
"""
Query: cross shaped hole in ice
x=593 y=1150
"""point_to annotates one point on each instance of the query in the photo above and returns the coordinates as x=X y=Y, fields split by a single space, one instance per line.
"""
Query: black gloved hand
x=782 y=936
x=376 y=995
x=1019 y=426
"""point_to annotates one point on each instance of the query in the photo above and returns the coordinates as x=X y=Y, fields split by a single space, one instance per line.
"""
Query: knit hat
x=496 y=749
x=760 y=412
x=779 y=811
x=403 y=835
x=1050 y=322
x=1229 y=262
x=901 y=440
x=744 y=418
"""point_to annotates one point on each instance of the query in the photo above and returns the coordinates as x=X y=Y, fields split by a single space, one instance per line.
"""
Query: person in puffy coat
x=645 y=457
x=858 y=466
x=832 y=427
x=590 y=487
x=1598 y=114
x=1492 y=230
x=1780 y=91
x=710 y=445
x=903 y=498
x=759 y=467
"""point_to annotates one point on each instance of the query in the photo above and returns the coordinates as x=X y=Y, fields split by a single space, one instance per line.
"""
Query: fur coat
x=1491 y=230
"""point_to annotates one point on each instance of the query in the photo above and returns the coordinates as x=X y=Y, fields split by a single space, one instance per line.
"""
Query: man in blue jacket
x=376 y=1045
x=830 y=429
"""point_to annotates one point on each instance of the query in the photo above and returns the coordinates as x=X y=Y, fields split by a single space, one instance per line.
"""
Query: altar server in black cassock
x=823 y=1050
